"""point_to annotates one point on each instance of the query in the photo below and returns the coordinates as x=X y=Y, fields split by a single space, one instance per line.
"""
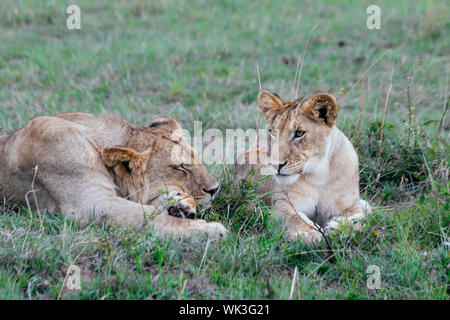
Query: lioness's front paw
x=180 y=205
x=309 y=236
x=212 y=229
x=172 y=226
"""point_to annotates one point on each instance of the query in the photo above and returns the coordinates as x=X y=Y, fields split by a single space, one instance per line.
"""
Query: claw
x=184 y=207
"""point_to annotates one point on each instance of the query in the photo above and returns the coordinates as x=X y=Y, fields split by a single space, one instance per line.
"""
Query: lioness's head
x=157 y=159
x=299 y=133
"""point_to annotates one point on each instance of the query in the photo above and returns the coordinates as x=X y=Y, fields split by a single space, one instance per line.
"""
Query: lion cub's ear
x=322 y=108
x=270 y=104
x=129 y=159
x=167 y=122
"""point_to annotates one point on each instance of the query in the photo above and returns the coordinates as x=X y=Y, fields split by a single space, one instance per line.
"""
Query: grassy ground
x=199 y=62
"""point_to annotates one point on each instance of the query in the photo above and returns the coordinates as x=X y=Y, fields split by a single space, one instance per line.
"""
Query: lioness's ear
x=270 y=104
x=128 y=158
x=322 y=107
x=167 y=122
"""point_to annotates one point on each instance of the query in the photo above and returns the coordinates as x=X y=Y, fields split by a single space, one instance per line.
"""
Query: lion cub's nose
x=279 y=166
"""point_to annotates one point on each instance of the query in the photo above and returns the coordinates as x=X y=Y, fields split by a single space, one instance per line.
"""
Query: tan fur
x=102 y=166
x=315 y=174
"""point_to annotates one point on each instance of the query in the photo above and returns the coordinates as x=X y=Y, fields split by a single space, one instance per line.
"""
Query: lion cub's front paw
x=180 y=205
x=336 y=223
x=309 y=235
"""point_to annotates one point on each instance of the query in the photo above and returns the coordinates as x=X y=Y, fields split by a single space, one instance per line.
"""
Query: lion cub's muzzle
x=286 y=168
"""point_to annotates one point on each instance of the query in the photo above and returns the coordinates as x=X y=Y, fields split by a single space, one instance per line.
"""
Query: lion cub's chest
x=304 y=204
x=311 y=200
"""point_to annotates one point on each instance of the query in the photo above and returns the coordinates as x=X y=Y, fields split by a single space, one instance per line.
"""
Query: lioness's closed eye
x=82 y=164
x=314 y=166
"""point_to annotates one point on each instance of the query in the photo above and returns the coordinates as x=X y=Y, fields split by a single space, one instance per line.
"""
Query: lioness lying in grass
x=84 y=165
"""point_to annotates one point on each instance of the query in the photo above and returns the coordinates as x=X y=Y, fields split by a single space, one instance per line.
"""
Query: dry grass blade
x=363 y=75
x=441 y=121
x=298 y=72
x=388 y=93
x=294 y=278
x=361 y=109
x=204 y=256
x=408 y=94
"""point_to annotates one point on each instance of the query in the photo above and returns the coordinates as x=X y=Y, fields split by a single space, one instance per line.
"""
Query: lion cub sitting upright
x=315 y=167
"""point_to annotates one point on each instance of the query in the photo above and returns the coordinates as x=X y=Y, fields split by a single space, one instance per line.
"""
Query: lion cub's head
x=157 y=160
x=299 y=133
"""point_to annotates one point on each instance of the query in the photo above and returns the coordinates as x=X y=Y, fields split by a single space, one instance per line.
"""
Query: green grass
x=198 y=61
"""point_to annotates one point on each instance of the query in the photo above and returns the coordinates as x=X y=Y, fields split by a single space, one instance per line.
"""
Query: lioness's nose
x=212 y=191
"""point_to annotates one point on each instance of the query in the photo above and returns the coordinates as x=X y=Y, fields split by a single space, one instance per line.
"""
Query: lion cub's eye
x=299 y=134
